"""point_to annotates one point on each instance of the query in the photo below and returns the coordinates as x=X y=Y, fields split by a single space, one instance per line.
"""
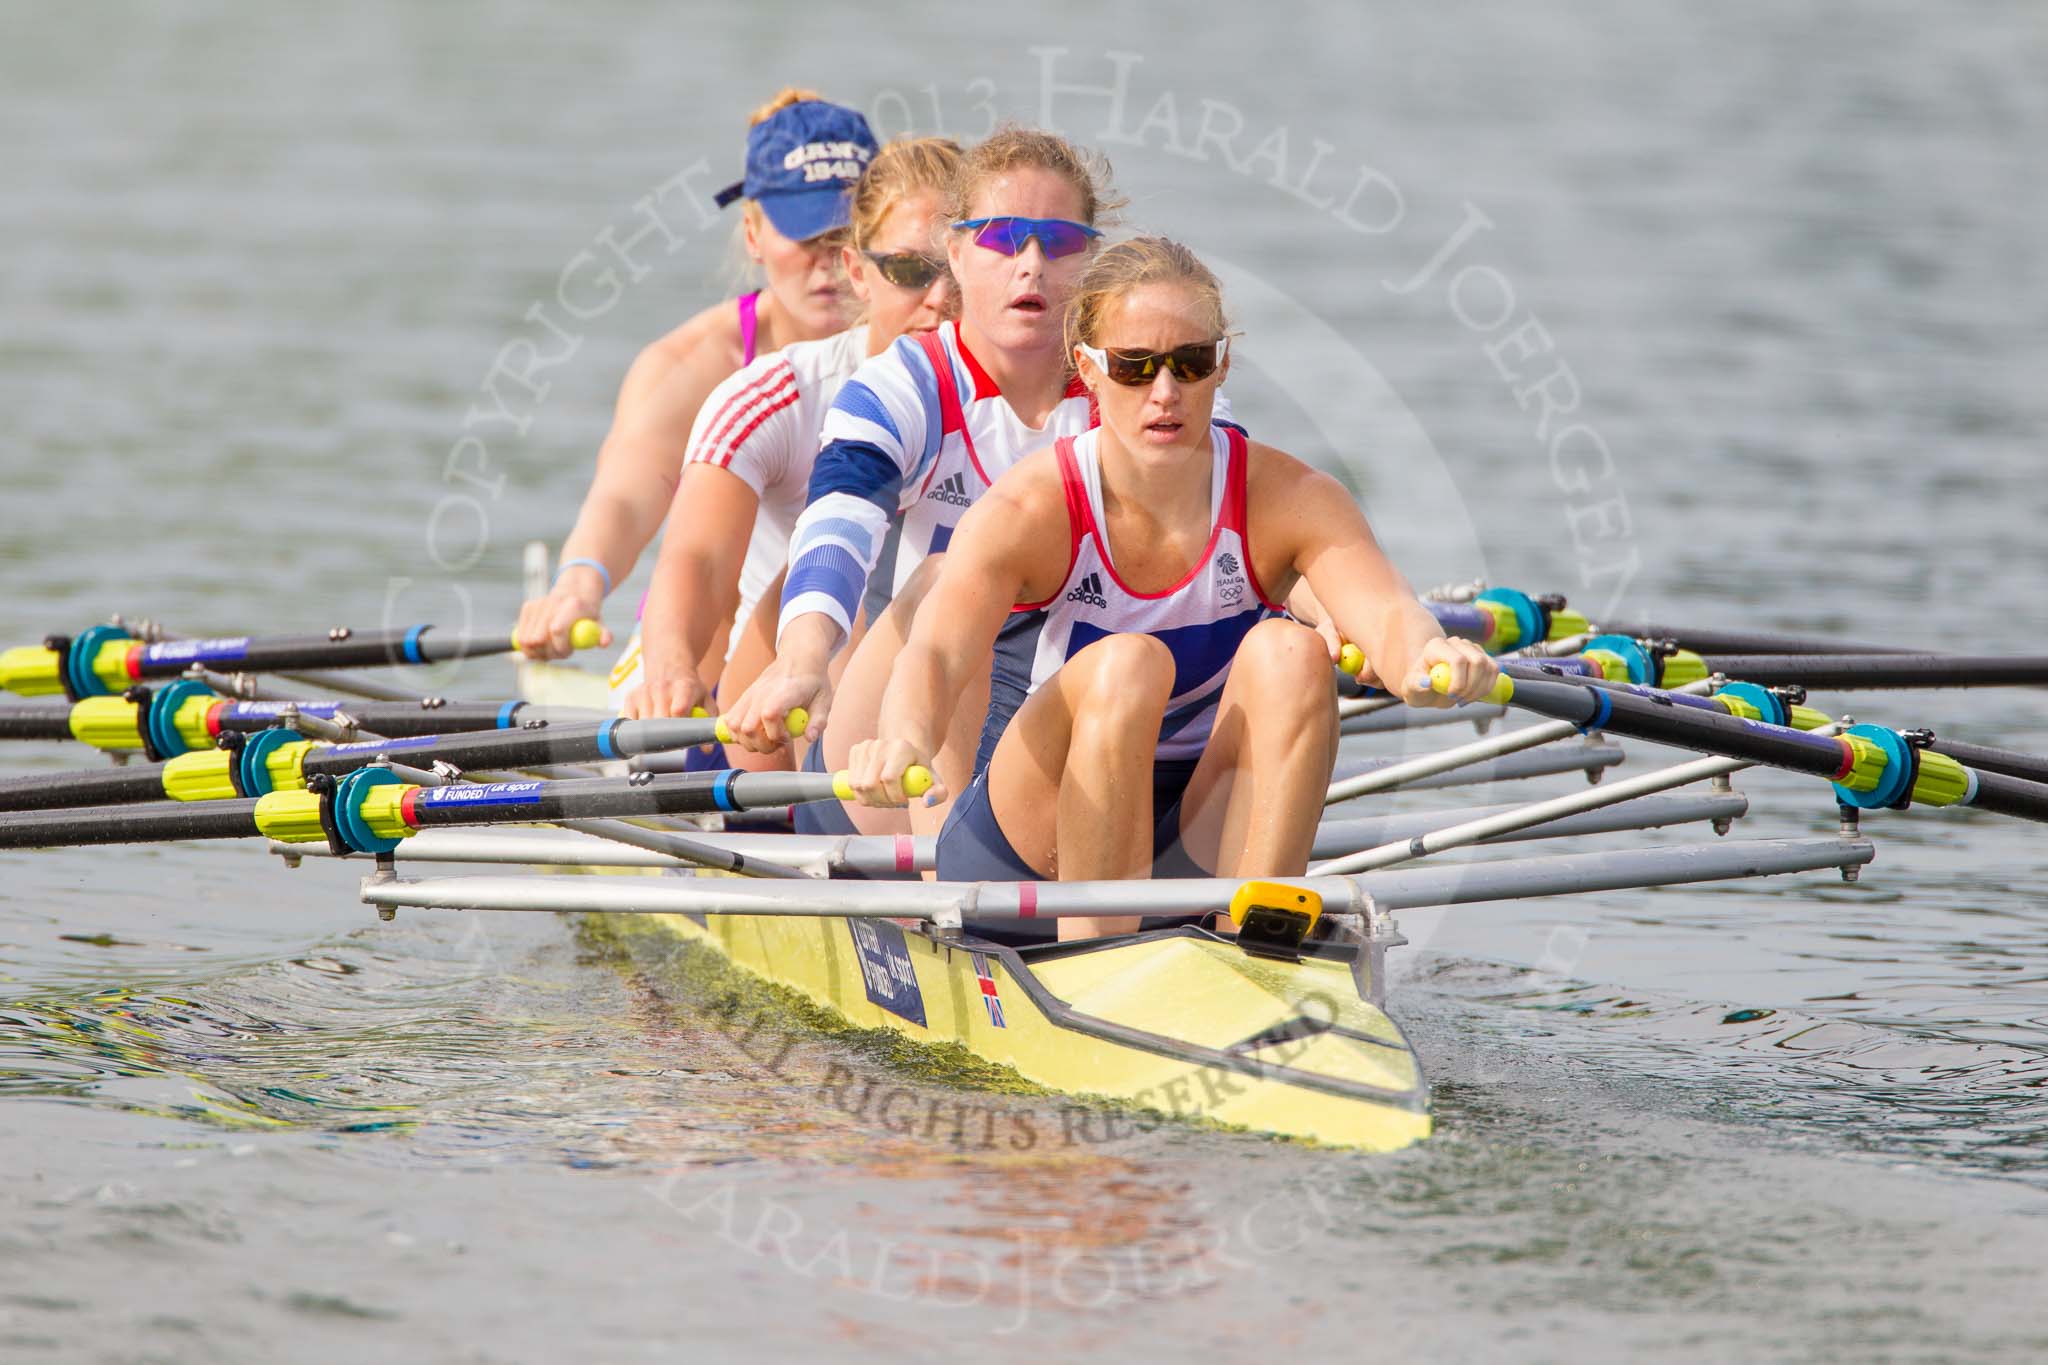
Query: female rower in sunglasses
x=803 y=156
x=750 y=453
x=922 y=430
x=1169 y=721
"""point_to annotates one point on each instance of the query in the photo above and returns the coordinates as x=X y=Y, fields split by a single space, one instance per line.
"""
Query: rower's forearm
x=1303 y=605
x=918 y=705
x=808 y=642
x=692 y=595
x=1409 y=629
x=611 y=530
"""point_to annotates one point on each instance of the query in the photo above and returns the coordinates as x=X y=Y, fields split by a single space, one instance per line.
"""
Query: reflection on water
x=1870 y=1085
x=421 y=1032
x=796 y=1153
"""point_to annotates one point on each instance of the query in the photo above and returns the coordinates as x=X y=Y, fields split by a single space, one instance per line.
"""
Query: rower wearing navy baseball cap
x=803 y=156
x=802 y=163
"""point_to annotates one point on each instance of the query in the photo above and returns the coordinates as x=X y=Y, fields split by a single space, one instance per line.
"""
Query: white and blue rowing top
x=761 y=424
x=920 y=431
x=1201 y=620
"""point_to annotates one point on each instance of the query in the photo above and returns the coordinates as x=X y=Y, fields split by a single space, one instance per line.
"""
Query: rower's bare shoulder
x=717 y=325
x=1033 y=483
x=667 y=391
x=704 y=349
x=1028 y=493
x=1011 y=531
x=1275 y=479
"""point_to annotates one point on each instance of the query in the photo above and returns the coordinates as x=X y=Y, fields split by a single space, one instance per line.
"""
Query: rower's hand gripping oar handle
x=587 y=633
x=1440 y=683
x=917 y=780
x=795 y=723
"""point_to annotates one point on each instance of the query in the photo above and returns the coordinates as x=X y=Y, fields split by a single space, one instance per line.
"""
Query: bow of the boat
x=1202 y=1029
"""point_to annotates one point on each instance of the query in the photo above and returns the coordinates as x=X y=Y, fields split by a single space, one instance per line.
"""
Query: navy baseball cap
x=802 y=161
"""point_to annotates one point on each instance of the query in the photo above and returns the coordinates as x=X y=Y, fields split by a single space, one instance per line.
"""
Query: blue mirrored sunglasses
x=1057 y=237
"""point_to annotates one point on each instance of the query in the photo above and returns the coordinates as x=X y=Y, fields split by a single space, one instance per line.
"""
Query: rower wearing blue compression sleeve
x=880 y=436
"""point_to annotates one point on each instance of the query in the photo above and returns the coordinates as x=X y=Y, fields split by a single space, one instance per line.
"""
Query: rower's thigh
x=1119 y=684
x=1277 y=719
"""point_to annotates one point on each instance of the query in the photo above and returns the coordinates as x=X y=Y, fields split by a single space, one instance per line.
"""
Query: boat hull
x=1175 y=1022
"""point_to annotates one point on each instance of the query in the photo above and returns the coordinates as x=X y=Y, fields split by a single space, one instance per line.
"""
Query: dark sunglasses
x=1057 y=237
x=908 y=269
x=1190 y=364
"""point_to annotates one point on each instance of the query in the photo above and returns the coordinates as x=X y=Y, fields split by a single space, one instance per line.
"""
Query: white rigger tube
x=1535 y=813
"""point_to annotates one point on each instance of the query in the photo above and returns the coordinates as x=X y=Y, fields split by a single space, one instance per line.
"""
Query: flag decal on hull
x=986 y=976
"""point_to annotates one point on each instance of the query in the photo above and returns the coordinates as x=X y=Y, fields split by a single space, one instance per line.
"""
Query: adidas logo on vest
x=952 y=490
x=1089 y=591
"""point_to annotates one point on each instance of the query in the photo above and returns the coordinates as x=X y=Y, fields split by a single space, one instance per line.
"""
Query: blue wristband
x=602 y=571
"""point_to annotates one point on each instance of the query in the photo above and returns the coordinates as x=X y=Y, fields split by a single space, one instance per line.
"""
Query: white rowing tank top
x=1202 y=619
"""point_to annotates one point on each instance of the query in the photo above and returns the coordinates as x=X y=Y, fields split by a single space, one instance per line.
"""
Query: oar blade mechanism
x=1869 y=765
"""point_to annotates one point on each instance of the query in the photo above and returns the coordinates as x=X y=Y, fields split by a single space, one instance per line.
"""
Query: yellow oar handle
x=1440 y=683
x=796 y=722
x=1351 y=659
x=585 y=634
x=917 y=780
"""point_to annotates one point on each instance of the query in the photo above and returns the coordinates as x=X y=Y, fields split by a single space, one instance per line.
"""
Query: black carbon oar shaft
x=537 y=747
x=1987 y=763
x=155 y=822
x=395 y=647
x=1671 y=722
x=458 y=804
x=396 y=720
x=1675 y=720
x=490 y=749
x=1708 y=641
x=2011 y=796
x=1883 y=670
x=31 y=721
x=1987 y=759
x=97 y=787
x=104 y=660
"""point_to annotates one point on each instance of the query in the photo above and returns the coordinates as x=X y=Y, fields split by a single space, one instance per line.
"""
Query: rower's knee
x=1287 y=666
x=1121 y=680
